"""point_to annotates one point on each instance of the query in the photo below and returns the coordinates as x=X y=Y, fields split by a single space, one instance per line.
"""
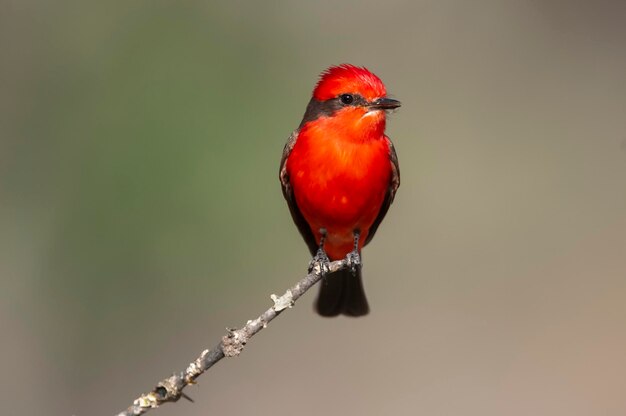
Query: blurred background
x=141 y=213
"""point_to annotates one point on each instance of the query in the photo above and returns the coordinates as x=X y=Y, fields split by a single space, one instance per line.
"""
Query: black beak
x=385 y=104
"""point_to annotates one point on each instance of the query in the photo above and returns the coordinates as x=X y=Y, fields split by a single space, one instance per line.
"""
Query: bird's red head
x=349 y=101
x=348 y=78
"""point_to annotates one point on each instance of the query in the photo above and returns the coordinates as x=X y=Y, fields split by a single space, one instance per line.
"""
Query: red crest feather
x=346 y=78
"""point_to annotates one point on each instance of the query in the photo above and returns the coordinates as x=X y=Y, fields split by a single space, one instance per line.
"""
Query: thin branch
x=171 y=389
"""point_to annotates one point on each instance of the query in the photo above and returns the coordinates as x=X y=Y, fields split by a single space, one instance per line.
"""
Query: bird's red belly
x=340 y=189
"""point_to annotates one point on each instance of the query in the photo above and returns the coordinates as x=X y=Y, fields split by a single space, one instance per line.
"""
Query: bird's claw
x=320 y=263
x=353 y=261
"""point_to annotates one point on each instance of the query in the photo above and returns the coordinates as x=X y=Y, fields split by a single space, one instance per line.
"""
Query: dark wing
x=298 y=219
x=394 y=183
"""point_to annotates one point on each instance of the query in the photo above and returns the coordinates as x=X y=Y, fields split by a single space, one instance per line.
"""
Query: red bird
x=339 y=174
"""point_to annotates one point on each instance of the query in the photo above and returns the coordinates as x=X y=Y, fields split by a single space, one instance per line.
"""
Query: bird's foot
x=353 y=261
x=320 y=263
x=353 y=258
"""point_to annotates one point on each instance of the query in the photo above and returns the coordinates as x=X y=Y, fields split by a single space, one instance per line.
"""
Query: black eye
x=346 y=98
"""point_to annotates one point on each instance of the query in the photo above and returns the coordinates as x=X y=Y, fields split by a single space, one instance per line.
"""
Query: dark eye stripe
x=357 y=100
x=327 y=108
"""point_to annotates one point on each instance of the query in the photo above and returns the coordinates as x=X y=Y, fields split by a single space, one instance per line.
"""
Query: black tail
x=342 y=293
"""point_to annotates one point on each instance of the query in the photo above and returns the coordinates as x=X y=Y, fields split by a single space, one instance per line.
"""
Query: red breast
x=340 y=171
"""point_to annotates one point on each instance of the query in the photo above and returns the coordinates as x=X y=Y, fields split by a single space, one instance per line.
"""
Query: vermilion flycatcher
x=339 y=174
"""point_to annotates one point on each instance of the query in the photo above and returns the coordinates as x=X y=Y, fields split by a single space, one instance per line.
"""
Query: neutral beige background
x=140 y=210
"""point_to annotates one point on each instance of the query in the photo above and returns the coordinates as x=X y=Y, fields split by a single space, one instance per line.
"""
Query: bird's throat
x=356 y=125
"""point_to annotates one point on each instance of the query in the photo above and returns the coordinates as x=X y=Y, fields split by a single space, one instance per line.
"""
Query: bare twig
x=171 y=389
